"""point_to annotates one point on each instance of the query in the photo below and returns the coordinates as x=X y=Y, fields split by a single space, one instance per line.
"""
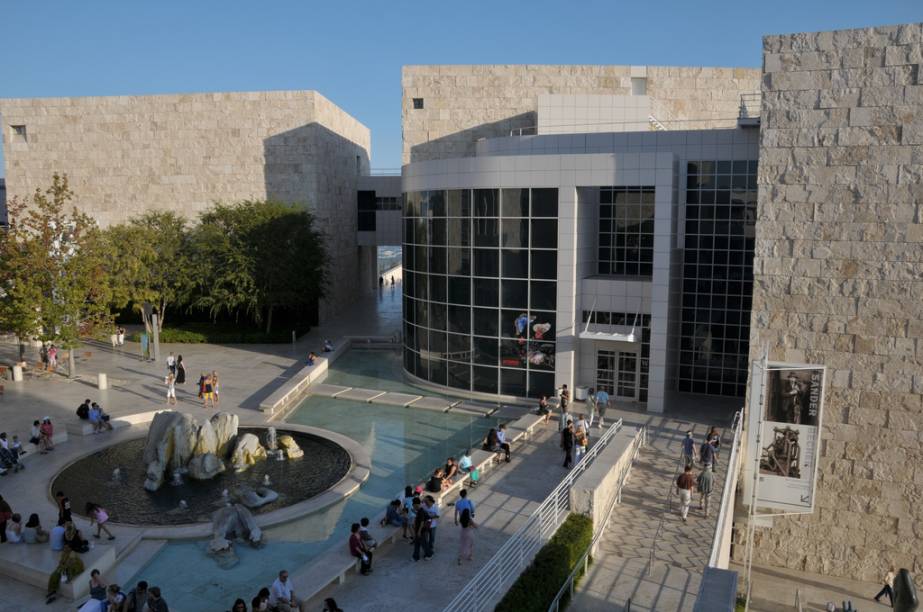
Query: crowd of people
x=687 y=483
x=279 y=597
x=95 y=415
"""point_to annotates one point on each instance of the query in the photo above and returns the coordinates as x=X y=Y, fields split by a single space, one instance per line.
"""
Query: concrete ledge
x=33 y=564
x=32 y=449
x=595 y=489
x=360 y=395
x=396 y=399
x=434 y=404
x=85 y=428
x=301 y=380
x=327 y=390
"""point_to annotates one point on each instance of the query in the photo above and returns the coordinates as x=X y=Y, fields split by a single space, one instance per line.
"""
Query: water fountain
x=117 y=475
x=177 y=479
x=266 y=481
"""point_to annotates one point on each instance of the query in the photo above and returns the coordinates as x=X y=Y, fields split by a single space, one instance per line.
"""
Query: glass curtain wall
x=717 y=277
x=480 y=291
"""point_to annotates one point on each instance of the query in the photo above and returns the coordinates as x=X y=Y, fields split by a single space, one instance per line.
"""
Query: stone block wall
x=182 y=152
x=839 y=281
x=464 y=102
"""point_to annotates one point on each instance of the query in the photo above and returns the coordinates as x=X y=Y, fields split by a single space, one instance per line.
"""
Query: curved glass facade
x=480 y=290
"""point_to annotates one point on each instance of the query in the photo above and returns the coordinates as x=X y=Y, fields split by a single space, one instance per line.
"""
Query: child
x=367 y=539
x=99 y=516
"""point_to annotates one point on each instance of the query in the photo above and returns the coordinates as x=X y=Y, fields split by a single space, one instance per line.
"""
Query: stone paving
x=620 y=570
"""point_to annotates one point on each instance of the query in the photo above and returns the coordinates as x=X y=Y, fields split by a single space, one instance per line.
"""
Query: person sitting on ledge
x=328 y=346
x=451 y=469
x=33 y=533
x=69 y=564
x=73 y=539
x=312 y=357
x=14 y=529
x=367 y=539
x=464 y=463
x=436 y=483
x=99 y=419
x=83 y=410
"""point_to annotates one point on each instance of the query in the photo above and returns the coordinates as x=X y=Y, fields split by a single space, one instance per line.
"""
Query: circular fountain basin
x=332 y=467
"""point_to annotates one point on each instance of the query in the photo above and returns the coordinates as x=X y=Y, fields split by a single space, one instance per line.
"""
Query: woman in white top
x=14 y=529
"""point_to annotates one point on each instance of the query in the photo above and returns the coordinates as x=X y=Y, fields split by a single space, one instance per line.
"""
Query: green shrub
x=216 y=333
x=536 y=587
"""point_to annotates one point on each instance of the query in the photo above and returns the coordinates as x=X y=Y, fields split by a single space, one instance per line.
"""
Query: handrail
x=725 y=511
x=668 y=502
x=599 y=529
x=495 y=578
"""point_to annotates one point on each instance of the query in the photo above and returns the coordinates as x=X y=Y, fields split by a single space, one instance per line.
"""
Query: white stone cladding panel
x=839 y=254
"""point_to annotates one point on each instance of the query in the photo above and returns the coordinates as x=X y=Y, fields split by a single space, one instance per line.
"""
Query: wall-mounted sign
x=783 y=441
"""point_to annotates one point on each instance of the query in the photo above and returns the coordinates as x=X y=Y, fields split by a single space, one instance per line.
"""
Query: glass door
x=617 y=374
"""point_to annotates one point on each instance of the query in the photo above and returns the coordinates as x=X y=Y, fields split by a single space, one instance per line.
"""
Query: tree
x=256 y=256
x=150 y=268
x=54 y=281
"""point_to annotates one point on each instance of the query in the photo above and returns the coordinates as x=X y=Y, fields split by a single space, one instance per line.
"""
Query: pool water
x=373 y=369
x=405 y=446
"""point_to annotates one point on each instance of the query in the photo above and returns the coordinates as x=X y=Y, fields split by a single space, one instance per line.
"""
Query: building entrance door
x=617 y=373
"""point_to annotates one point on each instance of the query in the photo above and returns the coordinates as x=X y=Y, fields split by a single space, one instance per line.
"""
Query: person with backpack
x=466 y=536
x=83 y=410
x=421 y=534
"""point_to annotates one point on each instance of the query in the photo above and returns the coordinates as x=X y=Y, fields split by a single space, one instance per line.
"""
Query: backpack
x=83 y=412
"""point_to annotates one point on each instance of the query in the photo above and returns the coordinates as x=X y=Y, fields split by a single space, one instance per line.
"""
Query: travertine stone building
x=839 y=281
x=128 y=154
x=447 y=108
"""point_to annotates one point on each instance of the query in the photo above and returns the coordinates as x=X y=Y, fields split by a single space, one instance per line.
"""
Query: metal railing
x=494 y=579
x=750 y=105
x=726 y=510
x=600 y=529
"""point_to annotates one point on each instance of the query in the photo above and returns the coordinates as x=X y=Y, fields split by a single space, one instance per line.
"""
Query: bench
x=85 y=428
x=32 y=449
x=33 y=564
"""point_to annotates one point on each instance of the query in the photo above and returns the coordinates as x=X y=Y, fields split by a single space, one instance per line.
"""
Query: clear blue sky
x=352 y=51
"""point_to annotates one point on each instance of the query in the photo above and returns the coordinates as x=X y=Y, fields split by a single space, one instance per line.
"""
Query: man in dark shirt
x=685 y=484
x=567 y=443
x=420 y=529
x=707 y=454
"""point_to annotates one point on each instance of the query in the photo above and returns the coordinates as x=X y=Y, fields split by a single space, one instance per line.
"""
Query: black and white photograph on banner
x=794 y=396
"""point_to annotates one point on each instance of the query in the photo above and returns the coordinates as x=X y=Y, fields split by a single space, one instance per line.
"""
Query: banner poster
x=793 y=399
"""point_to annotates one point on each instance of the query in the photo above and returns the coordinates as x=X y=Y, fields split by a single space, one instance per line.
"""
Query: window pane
x=541 y=325
x=485 y=321
x=485 y=202
x=437 y=203
x=540 y=384
x=458 y=232
x=545 y=202
x=516 y=263
x=485 y=379
x=544 y=264
x=515 y=202
x=459 y=375
x=437 y=343
x=437 y=288
x=459 y=319
x=437 y=316
x=513 y=382
x=437 y=260
x=543 y=295
x=459 y=347
x=459 y=262
x=513 y=354
x=541 y=356
x=459 y=290
x=486 y=233
x=515 y=294
x=459 y=203
x=486 y=262
x=485 y=351
x=514 y=323
x=545 y=234
x=486 y=292
x=516 y=233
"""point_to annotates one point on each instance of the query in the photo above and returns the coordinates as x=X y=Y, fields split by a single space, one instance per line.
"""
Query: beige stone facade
x=182 y=152
x=839 y=281
x=464 y=103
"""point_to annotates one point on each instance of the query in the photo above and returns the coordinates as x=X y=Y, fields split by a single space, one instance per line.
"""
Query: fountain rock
x=254 y=498
x=207 y=440
x=159 y=448
x=233 y=522
x=247 y=452
x=184 y=439
x=204 y=467
x=224 y=425
x=290 y=447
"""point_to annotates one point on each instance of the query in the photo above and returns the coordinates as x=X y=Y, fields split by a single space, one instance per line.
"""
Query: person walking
x=120 y=336
x=52 y=358
x=888 y=588
x=685 y=485
x=707 y=453
x=567 y=444
x=602 y=405
x=215 y=399
x=714 y=437
x=705 y=483
x=171 y=364
x=99 y=516
x=180 y=371
x=591 y=407
x=466 y=536
x=565 y=396
x=688 y=450
x=170 y=381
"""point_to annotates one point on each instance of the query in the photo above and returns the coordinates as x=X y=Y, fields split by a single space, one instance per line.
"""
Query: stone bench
x=85 y=428
x=33 y=564
x=32 y=449
x=333 y=566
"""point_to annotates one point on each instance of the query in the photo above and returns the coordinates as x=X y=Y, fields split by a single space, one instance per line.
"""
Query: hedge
x=536 y=587
x=211 y=333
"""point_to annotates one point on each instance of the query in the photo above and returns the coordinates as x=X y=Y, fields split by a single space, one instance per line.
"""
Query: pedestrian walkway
x=649 y=510
x=509 y=494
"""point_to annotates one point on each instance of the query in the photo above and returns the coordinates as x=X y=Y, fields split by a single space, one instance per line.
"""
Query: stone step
x=133 y=560
x=33 y=564
x=85 y=428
